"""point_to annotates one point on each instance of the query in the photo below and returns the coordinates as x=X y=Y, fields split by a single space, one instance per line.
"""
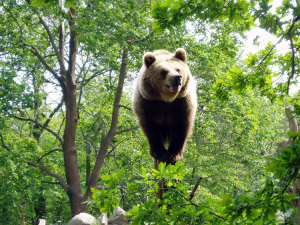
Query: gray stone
x=83 y=219
x=118 y=218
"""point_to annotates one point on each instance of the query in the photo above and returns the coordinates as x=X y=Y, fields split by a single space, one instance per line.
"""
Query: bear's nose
x=177 y=79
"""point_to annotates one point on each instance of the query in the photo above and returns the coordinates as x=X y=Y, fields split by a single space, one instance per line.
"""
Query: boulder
x=83 y=219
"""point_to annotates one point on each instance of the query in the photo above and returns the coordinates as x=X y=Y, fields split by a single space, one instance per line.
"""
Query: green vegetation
x=69 y=141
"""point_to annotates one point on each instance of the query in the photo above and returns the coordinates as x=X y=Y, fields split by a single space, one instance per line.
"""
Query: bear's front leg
x=178 y=137
x=156 y=140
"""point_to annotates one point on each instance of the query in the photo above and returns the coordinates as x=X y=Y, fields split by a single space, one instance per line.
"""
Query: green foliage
x=259 y=206
x=263 y=205
x=236 y=127
x=52 y=3
x=173 y=13
x=109 y=197
x=286 y=164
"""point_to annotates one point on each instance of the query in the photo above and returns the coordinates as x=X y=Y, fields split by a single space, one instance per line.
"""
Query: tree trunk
x=69 y=138
x=295 y=187
x=161 y=184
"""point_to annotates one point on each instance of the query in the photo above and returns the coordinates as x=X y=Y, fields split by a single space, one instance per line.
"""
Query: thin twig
x=194 y=204
x=126 y=130
x=15 y=19
x=293 y=63
x=47 y=153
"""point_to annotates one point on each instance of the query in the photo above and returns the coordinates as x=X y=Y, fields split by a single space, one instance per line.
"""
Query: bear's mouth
x=173 y=87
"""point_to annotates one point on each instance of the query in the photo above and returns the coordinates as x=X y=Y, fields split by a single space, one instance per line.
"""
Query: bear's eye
x=163 y=73
x=178 y=70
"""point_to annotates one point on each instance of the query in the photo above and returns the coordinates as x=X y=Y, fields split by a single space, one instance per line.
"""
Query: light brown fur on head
x=160 y=73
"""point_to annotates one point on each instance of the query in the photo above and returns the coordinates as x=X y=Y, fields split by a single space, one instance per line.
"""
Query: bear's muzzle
x=174 y=82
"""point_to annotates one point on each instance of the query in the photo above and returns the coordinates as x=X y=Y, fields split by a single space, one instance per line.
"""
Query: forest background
x=70 y=141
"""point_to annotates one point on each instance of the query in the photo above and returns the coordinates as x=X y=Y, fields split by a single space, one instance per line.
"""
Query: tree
x=269 y=71
x=82 y=52
x=62 y=67
x=48 y=46
x=282 y=22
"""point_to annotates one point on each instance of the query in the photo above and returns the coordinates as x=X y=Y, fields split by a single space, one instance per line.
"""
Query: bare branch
x=102 y=187
x=83 y=69
x=3 y=143
x=50 y=182
x=50 y=173
x=96 y=74
x=293 y=63
x=40 y=125
x=126 y=130
x=51 y=38
x=126 y=107
x=107 y=139
x=289 y=34
x=53 y=112
x=36 y=52
x=116 y=108
x=48 y=153
x=192 y=194
x=57 y=53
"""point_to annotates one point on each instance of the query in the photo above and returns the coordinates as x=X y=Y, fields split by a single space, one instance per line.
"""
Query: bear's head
x=165 y=76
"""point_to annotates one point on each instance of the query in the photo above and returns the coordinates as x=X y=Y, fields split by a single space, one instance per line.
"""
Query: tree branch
x=72 y=44
x=192 y=194
x=40 y=125
x=107 y=139
x=53 y=112
x=293 y=63
x=57 y=53
x=36 y=52
x=3 y=143
x=126 y=130
x=194 y=204
x=47 y=153
x=50 y=182
x=102 y=188
x=15 y=19
x=50 y=173
x=288 y=33
x=96 y=74
x=126 y=107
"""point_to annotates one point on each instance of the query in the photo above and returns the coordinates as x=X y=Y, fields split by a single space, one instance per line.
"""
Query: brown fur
x=165 y=103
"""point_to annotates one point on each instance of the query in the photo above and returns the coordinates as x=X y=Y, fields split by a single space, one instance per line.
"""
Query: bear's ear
x=149 y=59
x=180 y=54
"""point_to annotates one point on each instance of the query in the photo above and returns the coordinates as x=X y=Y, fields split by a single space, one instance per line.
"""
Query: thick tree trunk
x=69 y=148
x=69 y=139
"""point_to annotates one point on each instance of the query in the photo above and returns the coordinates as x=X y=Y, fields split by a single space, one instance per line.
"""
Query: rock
x=83 y=219
x=118 y=218
x=42 y=222
x=103 y=219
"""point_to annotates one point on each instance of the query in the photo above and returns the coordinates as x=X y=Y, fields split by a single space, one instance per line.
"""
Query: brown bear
x=165 y=103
